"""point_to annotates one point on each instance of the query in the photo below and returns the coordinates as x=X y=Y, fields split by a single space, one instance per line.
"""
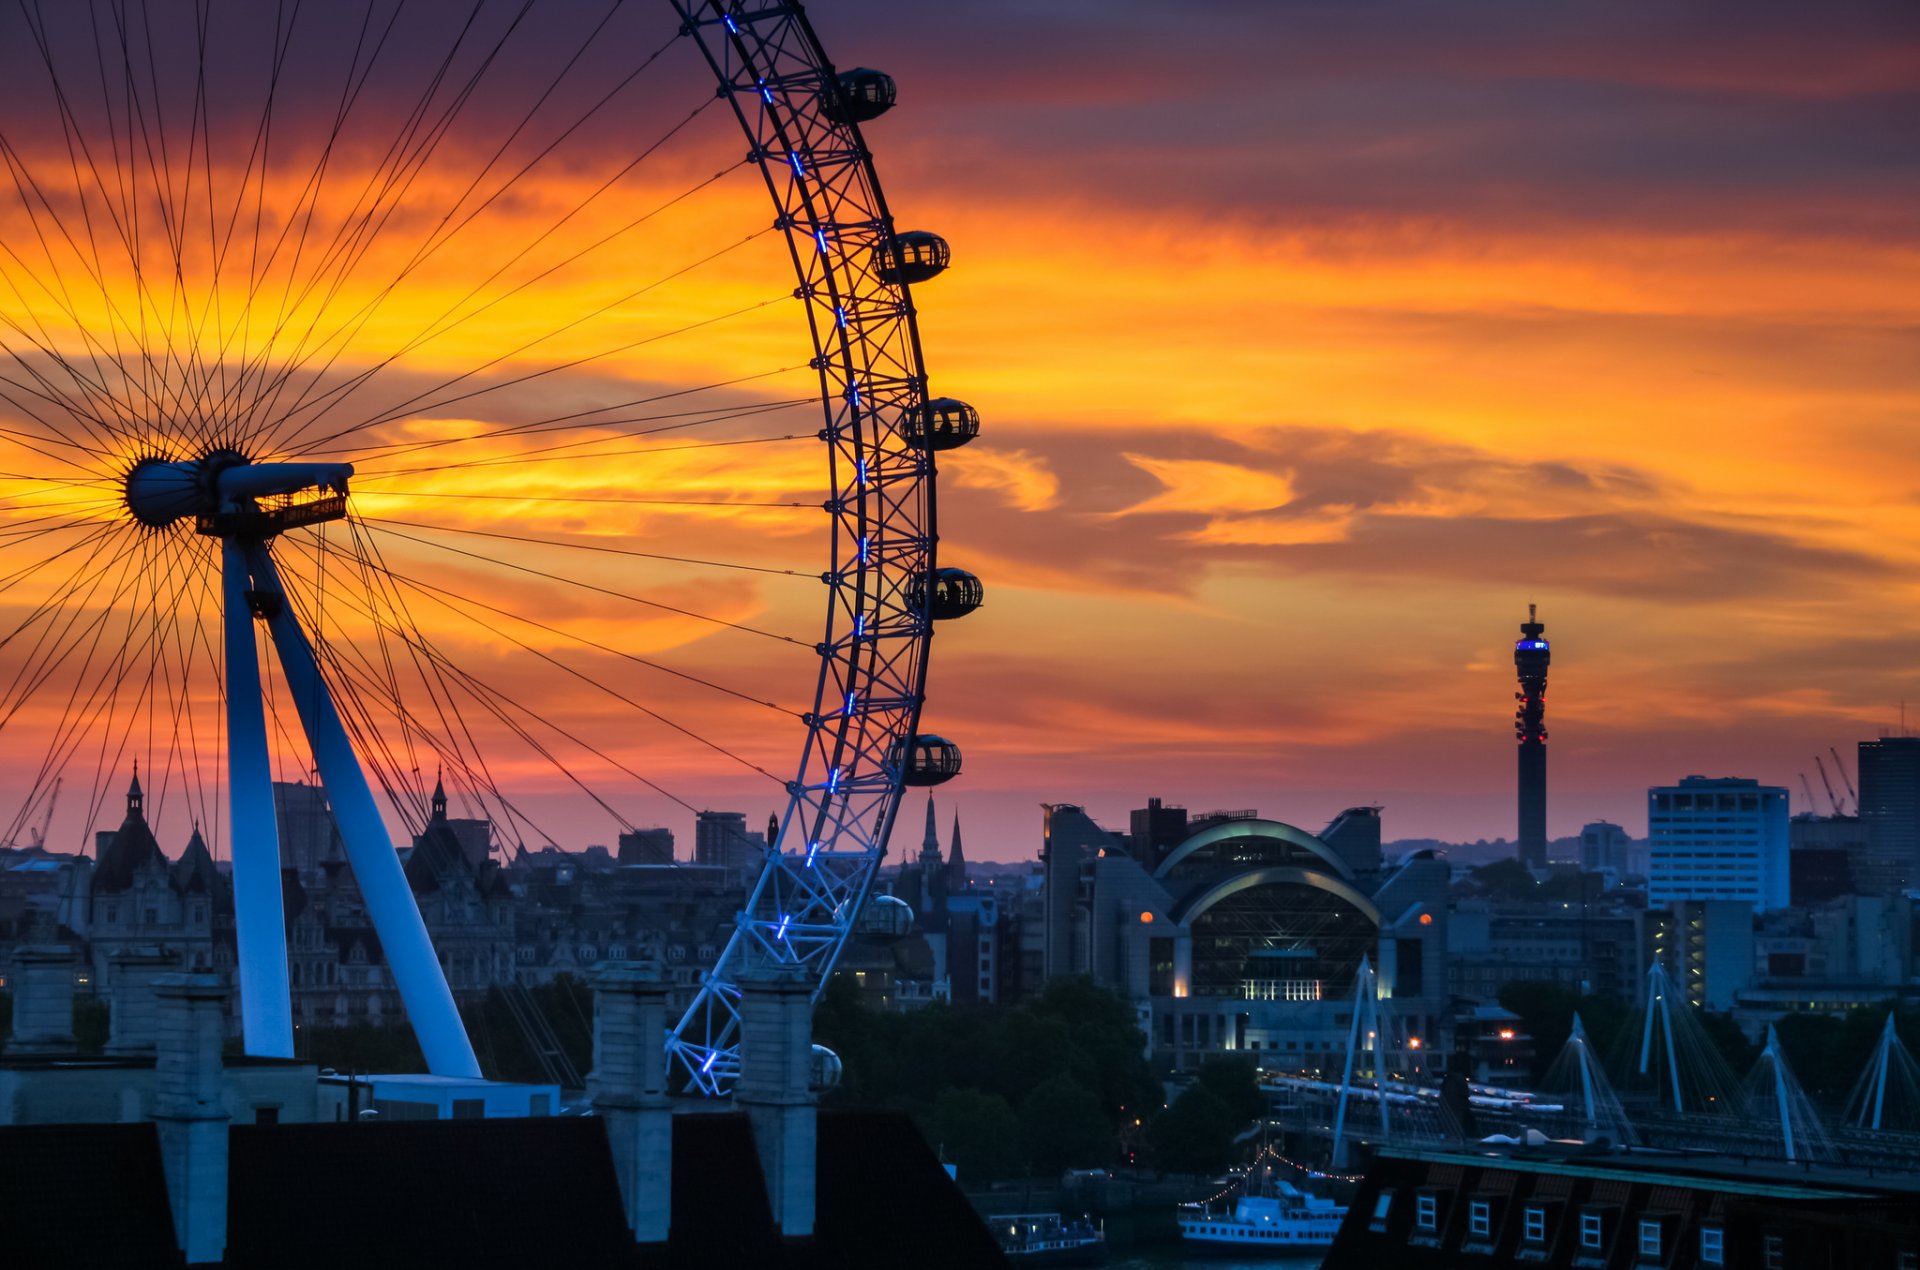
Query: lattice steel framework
x=873 y=654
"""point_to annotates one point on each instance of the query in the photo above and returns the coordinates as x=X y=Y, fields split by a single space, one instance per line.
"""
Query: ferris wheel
x=465 y=389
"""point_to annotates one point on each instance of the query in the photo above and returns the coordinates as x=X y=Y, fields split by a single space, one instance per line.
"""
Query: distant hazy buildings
x=1717 y=839
x=1890 y=810
x=720 y=838
x=648 y=846
x=1603 y=847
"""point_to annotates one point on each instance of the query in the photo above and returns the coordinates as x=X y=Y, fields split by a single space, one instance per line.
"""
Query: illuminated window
x=1535 y=1229
x=1591 y=1230
x=1712 y=1246
x=1426 y=1212
x=1480 y=1218
x=1649 y=1238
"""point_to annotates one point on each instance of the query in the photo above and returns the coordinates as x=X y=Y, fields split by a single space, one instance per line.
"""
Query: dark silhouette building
x=1890 y=810
x=647 y=846
x=1155 y=830
x=1530 y=657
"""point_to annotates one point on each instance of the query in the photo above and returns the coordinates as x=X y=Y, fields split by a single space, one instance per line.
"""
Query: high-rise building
x=1071 y=838
x=1890 y=812
x=1530 y=657
x=721 y=837
x=1154 y=830
x=648 y=846
x=1718 y=839
x=1603 y=845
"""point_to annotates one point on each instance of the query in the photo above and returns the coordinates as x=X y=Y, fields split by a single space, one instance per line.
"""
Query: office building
x=1718 y=839
x=1890 y=810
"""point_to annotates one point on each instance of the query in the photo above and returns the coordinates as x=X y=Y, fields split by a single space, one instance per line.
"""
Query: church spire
x=439 y=798
x=930 y=845
x=136 y=800
x=956 y=859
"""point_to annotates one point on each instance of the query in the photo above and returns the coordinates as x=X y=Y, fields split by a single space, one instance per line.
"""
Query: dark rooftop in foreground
x=483 y=1193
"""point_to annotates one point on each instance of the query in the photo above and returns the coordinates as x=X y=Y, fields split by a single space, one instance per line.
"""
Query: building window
x=1712 y=1246
x=1591 y=1229
x=1426 y=1212
x=1649 y=1238
x=1480 y=1218
x=1535 y=1228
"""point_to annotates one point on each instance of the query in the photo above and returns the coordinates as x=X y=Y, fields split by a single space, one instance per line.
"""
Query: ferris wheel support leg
x=266 y=1003
x=383 y=884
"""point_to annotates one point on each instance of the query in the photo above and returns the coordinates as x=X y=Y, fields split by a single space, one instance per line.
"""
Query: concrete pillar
x=42 y=1000
x=188 y=1110
x=132 y=1027
x=776 y=1063
x=628 y=1088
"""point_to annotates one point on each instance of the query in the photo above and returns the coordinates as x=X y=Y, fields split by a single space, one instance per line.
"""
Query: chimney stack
x=628 y=1088
x=42 y=1000
x=132 y=1027
x=775 y=1089
x=189 y=1112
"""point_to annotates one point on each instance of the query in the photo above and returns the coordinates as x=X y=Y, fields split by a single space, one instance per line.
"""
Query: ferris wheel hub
x=229 y=497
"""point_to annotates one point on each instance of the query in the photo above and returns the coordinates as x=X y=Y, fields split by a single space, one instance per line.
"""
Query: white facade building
x=1717 y=839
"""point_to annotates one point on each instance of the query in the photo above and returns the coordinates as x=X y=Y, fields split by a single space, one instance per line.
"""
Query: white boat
x=1047 y=1239
x=1285 y=1218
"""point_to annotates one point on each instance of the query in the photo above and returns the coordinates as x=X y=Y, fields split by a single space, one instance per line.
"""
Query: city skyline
x=1309 y=359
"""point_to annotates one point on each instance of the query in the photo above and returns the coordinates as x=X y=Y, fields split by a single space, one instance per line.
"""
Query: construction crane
x=1846 y=779
x=36 y=835
x=46 y=821
x=1832 y=802
x=1804 y=784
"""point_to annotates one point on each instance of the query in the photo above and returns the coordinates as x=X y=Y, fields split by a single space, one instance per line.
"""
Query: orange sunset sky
x=1313 y=342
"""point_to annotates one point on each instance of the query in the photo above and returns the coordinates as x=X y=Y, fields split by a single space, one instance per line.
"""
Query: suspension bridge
x=1667 y=1090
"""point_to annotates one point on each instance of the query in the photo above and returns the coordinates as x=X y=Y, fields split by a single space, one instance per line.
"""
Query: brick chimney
x=628 y=1088
x=189 y=1112
x=776 y=1066
x=133 y=1027
x=42 y=1000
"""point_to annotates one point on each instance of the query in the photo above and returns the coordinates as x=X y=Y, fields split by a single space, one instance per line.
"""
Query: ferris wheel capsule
x=945 y=423
x=858 y=95
x=954 y=593
x=926 y=760
x=913 y=255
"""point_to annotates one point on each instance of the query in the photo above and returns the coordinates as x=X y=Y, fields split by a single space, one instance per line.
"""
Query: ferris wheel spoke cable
x=404 y=156
x=490 y=699
x=441 y=324
x=489 y=696
x=37 y=664
x=607 y=591
x=419 y=403
x=383 y=597
x=573 y=449
x=589 y=546
x=435 y=329
x=447 y=598
x=433 y=591
x=559 y=423
x=434 y=240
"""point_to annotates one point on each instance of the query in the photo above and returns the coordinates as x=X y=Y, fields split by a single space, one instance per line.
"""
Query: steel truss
x=873 y=655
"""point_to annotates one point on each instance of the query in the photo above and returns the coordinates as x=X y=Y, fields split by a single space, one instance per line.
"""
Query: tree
x=1063 y=1127
x=1507 y=880
x=1234 y=1082
x=1194 y=1135
x=975 y=1132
